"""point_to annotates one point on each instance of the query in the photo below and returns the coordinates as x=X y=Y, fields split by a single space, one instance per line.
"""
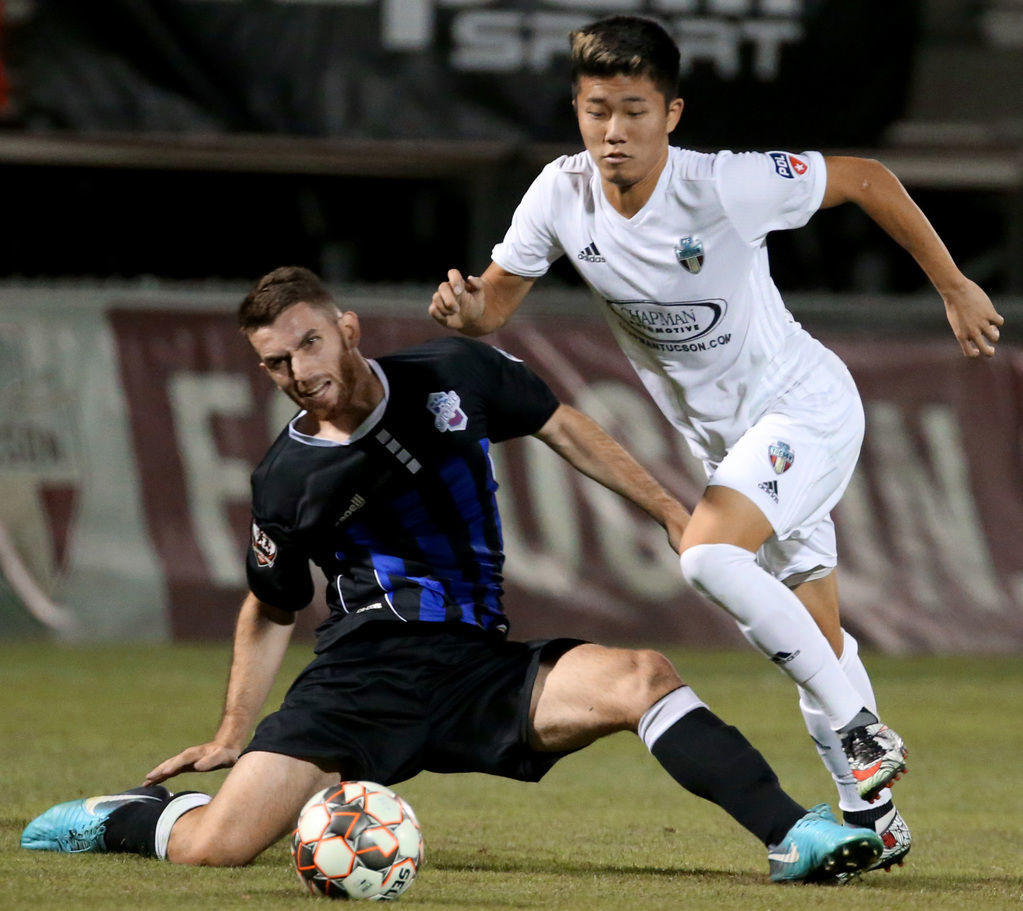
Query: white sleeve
x=530 y=246
x=770 y=191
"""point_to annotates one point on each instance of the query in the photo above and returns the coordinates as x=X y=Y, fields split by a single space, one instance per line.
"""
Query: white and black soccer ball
x=357 y=839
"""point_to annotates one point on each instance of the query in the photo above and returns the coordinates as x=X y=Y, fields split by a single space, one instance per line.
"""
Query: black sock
x=131 y=829
x=714 y=761
x=866 y=818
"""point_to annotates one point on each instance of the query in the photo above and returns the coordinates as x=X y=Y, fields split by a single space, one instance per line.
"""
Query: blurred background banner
x=801 y=73
x=130 y=420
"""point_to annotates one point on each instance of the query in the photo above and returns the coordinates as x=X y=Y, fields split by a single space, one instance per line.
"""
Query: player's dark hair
x=626 y=46
x=278 y=290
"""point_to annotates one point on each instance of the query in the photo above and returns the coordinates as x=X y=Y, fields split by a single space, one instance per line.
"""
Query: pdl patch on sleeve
x=263 y=546
x=789 y=166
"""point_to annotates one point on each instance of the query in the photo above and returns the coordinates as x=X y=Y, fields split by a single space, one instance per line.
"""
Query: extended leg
x=592 y=691
x=258 y=803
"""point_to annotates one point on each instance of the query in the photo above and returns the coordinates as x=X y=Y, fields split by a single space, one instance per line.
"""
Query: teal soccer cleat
x=78 y=826
x=818 y=848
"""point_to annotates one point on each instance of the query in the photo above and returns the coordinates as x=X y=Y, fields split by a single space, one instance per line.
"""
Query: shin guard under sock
x=714 y=761
x=131 y=829
x=143 y=826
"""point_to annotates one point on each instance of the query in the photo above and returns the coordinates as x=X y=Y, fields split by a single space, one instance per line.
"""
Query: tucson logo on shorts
x=781 y=456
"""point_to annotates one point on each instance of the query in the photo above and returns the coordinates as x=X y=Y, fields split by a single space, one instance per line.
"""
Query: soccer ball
x=357 y=839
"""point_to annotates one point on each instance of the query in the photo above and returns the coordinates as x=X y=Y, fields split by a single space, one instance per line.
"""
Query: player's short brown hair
x=626 y=46
x=278 y=290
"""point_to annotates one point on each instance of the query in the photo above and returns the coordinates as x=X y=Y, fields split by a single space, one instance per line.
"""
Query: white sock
x=177 y=808
x=856 y=672
x=665 y=712
x=775 y=621
x=828 y=743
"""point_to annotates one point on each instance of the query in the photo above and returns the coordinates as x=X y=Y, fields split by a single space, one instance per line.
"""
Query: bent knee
x=648 y=677
x=703 y=565
x=199 y=845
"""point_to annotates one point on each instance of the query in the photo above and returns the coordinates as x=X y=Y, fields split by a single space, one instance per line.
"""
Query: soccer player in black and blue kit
x=384 y=480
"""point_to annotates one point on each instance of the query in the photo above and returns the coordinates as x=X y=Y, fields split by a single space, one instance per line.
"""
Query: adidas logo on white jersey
x=590 y=254
x=770 y=488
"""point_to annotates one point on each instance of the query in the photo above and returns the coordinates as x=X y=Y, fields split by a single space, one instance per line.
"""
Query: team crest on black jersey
x=689 y=253
x=263 y=546
x=447 y=407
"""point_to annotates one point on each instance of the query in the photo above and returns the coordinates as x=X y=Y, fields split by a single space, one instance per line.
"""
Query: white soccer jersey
x=685 y=283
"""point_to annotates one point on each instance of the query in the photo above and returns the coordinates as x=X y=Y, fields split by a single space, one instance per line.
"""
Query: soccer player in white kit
x=673 y=244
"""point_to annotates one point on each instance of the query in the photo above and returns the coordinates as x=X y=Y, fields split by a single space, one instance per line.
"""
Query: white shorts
x=795 y=463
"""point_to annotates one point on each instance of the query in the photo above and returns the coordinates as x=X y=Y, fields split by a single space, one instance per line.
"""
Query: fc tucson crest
x=689 y=253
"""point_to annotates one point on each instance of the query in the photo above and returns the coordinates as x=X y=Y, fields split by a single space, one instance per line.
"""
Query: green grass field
x=607 y=829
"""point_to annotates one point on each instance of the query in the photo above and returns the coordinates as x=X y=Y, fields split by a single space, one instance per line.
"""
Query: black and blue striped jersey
x=402 y=518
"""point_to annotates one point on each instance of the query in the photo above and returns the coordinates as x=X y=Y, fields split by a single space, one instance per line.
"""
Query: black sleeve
x=278 y=574
x=517 y=401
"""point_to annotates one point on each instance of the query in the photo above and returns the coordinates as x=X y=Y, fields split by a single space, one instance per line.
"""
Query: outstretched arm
x=475 y=306
x=260 y=640
x=881 y=195
x=585 y=445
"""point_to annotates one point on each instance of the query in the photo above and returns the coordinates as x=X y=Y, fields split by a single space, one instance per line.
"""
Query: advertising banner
x=785 y=73
x=130 y=422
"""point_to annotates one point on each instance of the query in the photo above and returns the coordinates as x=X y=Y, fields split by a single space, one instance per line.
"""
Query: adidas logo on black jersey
x=590 y=254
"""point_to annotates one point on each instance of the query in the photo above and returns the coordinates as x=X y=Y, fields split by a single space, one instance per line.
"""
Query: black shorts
x=384 y=707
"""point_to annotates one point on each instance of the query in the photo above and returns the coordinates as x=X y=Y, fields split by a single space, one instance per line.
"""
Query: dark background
x=277 y=80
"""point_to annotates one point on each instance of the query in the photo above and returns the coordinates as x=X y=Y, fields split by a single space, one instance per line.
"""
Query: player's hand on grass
x=973 y=319
x=202 y=758
x=458 y=302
